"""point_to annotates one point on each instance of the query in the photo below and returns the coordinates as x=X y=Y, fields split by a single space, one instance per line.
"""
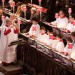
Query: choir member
x=25 y=12
x=70 y=27
x=56 y=15
x=8 y=53
x=33 y=12
x=73 y=48
x=15 y=26
x=60 y=45
x=67 y=49
x=62 y=21
x=18 y=9
x=42 y=37
x=54 y=41
x=34 y=29
x=50 y=37
x=2 y=37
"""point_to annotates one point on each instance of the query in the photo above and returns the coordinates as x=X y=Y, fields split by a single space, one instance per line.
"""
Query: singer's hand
x=11 y=26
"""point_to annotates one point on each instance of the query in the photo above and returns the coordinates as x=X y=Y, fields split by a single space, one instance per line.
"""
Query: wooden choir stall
x=37 y=58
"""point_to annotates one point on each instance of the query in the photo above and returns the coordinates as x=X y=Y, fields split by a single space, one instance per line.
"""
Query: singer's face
x=42 y=31
x=71 y=19
x=9 y=23
x=61 y=14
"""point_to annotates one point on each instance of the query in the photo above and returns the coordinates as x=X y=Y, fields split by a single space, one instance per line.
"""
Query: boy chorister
x=73 y=48
x=61 y=21
x=43 y=37
x=60 y=45
x=34 y=29
x=70 y=27
x=50 y=37
x=8 y=53
x=54 y=41
x=68 y=48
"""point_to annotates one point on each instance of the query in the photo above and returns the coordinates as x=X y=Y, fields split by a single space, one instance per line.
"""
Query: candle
x=31 y=1
x=70 y=11
x=13 y=6
x=40 y=2
x=3 y=3
x=40 y=9
x=40 y=13
x=3 y=0
x=19 y=22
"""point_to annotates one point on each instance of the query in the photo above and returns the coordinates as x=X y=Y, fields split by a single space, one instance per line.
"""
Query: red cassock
x=6 y=32
x=16 y=30
x=9 y=53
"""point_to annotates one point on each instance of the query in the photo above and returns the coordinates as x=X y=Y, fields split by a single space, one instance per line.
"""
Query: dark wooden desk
x=42 y=62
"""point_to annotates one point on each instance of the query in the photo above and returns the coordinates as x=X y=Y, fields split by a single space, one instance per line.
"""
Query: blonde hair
x=18 y=12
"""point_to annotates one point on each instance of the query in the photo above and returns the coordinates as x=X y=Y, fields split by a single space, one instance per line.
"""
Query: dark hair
x=42 y=27
x=73 y=33
x=63 y=10
x=68 y=39
x=34 y=19
x=73 y=16
x=60 y=36
x=19 y=4
x=54 y=34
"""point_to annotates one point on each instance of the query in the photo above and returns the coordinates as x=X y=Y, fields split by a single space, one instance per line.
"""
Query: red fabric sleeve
x=16 y=30
x=6 y=32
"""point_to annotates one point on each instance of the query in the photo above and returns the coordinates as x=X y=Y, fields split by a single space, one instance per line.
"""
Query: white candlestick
x=39 y=3
x=25 y=14
x=31 y=1
x=40 y=11
x=13 y=9
x=40 y=14
x=3 y=5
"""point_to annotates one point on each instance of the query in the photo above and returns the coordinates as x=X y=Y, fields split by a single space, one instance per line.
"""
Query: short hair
x=73 y=33
x=60 y=36
x=54 y=34
x=34 y=19
x=42 y=27
x=63 y=10
x=19 y=4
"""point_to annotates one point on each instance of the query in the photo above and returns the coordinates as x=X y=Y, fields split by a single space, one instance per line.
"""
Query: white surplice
x=73 y=52
x=61 y=22
x=2 y=39
x=36 y=31
x=67 y=50
x=70 y=27
x=9 y=53
x=43 y=38
x=49 y=41
x=54 y=43
x=60 y=46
